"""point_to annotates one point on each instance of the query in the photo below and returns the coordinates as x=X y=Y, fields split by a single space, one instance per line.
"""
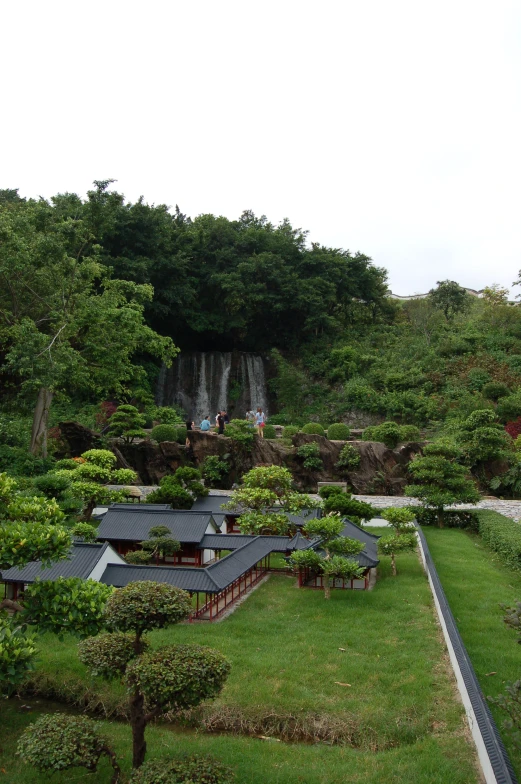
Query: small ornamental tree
x=396 y=543
x=89 y=479
x=265 y=491
x=160 y=543
x=127 y=423
x=332 y=558
x=59 y=742
x=180 y=489
x=174 y=677
x=349 y=459
x=439 y=480
x=401 y=519
x=347 y=506
x=482 y=438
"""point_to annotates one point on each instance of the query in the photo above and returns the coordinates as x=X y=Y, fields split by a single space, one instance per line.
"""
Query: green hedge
x=502 y=535
x=452 y=518
x=162 y=433
x=269 y=432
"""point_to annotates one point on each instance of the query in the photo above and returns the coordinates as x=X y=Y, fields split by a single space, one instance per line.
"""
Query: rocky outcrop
x=381 y=470
x=78 y=438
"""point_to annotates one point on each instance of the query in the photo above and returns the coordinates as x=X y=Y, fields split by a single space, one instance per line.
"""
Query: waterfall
x=202 y=400
x=199 y=382
x=256 y=382
x=226 y=367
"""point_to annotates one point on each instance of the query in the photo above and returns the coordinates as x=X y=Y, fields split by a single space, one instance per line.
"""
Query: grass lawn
x=476 y=583
x=366 y=668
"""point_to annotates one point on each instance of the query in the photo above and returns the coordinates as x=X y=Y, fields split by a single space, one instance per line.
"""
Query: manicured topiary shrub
x=330 y=490
x=162 y=433
x=387 y=433
x=313 y=428
x=270 y=432
x=181 y=433
x=349 y=458
x=310 y=453
x=347 y=506
x=59 y=742
x=338 y=432
x=290 y=431
x=138 y=557
x=188 y=770
x=409 y=433
x=107 y=654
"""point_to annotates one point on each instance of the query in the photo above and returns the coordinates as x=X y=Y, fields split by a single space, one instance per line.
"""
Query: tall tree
x=65 y=324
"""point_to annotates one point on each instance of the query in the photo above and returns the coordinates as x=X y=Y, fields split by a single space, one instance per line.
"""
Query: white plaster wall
x=108 y=557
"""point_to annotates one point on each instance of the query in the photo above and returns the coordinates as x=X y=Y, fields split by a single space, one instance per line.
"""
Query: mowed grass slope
x=435 y=760
x=368 y=669
x=476 y=584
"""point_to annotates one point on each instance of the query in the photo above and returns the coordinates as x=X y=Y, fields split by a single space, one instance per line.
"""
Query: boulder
x=79 y=438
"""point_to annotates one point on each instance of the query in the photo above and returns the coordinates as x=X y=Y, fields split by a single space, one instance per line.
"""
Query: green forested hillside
x=97 y=292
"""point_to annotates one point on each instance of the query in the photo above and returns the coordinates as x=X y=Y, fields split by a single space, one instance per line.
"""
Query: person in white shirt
x=260 y=421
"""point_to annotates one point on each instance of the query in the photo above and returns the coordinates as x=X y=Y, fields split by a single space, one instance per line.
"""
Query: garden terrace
x=87 y=561
x=125 y=526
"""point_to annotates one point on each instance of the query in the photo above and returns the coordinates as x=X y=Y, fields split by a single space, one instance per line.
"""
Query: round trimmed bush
x=108 y=654
x=58 y=742
x=187 y=770
x=270 y=432
x=409 y=433
x=290 y=431
x=138 y=557
x=177 y=677
x=329 y=490
x=313 y=429
x=338 y=432
x=181 y=433
x=145 y=605
x=162 y=433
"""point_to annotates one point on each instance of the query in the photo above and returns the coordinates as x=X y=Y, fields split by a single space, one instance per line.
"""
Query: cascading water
x=206 y=382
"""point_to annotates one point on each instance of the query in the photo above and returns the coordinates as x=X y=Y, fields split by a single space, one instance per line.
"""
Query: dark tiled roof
x=279 y=544
x=212 y=503
x=220 y=574
x=232 y=566
x=190 y=579
x=80 y=563
x=369 y=555
x=186 y=527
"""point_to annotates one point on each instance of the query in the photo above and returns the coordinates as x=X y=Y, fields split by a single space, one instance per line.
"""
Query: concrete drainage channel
x=493 y=757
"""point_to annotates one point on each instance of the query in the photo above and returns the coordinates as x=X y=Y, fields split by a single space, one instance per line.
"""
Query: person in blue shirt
x=205 y=424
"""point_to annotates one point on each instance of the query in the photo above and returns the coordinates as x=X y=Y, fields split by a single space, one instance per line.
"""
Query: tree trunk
x=441 y=521
x=393 y=564
x=138 y=724
x=41 y=415
x=9 y=604
x=116 y=774
x=87 y=512
x=327 y=587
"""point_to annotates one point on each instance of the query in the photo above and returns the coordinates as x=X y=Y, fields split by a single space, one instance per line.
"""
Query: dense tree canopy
x=223 y=283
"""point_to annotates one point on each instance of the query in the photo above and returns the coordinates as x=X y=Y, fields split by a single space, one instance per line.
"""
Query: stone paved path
x=510 y=509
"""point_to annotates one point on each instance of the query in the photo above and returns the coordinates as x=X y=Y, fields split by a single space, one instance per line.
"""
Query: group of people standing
x=257 y=419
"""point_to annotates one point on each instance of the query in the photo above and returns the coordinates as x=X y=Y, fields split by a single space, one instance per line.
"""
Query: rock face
x=79 y=438
x=381 y=470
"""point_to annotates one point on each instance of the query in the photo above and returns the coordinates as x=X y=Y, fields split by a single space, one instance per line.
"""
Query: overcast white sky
x=392 y=127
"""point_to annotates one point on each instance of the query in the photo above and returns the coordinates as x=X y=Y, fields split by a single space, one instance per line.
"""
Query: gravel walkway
x=510 y=509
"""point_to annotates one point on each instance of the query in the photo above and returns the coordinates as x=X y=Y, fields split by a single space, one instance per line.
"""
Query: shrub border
x=494 y=760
